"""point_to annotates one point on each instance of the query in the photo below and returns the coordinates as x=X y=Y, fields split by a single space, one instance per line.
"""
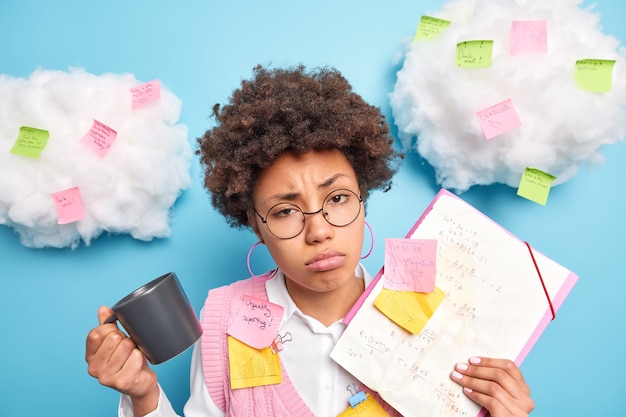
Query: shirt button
x=328 y=387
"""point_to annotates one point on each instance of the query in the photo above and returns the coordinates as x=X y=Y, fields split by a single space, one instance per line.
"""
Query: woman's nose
x=316 y=228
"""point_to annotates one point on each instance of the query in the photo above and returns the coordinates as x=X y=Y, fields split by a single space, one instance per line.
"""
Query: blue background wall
x=201 y=50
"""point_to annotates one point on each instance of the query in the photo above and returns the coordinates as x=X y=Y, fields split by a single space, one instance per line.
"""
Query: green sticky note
x=430 y=27
x=535 y=185
x=474 y=54
x=594 y=74
x=30 y=142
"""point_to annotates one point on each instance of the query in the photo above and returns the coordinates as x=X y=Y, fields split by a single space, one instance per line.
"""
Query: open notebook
x=496 y=305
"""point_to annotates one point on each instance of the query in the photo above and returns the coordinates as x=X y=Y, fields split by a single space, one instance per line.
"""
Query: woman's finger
x=496 y=384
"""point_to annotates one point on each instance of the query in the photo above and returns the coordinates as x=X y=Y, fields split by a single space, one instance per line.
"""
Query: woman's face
x=322 y=257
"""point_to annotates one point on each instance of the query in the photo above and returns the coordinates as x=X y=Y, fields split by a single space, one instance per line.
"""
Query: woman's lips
x=326 y=261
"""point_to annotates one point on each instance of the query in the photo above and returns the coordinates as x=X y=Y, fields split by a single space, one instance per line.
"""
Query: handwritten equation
x=488 y=277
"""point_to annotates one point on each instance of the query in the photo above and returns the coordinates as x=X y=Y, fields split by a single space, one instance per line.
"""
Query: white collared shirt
x=323 y=385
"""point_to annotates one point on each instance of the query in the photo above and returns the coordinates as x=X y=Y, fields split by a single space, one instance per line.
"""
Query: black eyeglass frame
x=310 y=213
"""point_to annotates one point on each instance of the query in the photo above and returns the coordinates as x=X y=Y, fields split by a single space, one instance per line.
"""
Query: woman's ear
x=253 y=222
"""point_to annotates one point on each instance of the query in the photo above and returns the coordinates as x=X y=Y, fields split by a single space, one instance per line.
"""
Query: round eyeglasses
x=286 y=220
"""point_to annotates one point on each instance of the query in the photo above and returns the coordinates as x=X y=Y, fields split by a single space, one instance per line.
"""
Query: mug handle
x=111 y=319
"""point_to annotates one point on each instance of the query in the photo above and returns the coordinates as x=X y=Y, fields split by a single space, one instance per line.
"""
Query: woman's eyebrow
x=332 y=180
x=294 y=195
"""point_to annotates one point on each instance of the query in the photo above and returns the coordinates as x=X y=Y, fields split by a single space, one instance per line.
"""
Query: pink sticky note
x=69 y=205
x=99 y=138
x=498 y=119
x=410 y=264
x=257 y=322
x=146 y=93
x=529 y=36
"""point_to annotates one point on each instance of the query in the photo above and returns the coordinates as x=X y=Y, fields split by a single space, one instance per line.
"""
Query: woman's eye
x=338 y=198
x=284 y=212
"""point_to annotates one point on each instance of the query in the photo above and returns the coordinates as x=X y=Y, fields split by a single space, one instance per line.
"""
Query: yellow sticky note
x=410 y=310
x=594 y=74
x=30 y=142
x=430 y=27
x=367 y=408
x=474 y=54
x=250 y=367
x=535 y=185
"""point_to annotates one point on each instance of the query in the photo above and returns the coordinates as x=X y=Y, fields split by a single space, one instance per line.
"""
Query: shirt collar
x=277 y=293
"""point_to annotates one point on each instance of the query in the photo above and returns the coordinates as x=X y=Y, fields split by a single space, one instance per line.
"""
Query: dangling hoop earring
x=372 y=245
x=265 y=277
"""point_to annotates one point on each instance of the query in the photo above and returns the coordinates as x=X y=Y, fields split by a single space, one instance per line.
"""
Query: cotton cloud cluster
x=563 y=127
x=129 y=189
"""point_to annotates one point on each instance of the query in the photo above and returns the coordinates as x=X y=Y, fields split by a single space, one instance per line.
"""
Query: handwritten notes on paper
x=498 y=119
x=594 y=74
x=99 y=138
x=528 y=36
x=257 y=322
x=251 y=367
x=535 y=185
x=252 y=339
x=410 y=265
x=145 y=93
x=430 y=27
x=488 y=277
x=30 y=142
x=69 y=205
x=474 y=54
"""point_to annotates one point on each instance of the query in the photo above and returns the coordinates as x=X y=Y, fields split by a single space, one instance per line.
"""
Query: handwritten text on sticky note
x=594 y=75
x=498 y=119
x=474 y=54
x=251 y=367
x=145 y=93
x=430 y=27
x=409 y=310
x=528 y=36
x=30 y=142
x=535 y=185
x=99 y=138
x=257 y=322
x=410 y=264
x=69 y=205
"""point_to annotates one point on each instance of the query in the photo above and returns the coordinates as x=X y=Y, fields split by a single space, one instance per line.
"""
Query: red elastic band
x=543 y=284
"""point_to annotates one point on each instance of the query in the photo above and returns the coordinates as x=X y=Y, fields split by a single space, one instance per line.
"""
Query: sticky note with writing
x=594 y=74
x=528 y=36
x=410 y=310
x=145 y=93
x=368 y=407
x=250 y=367
x=69 y=205
x=99 y=138
x=535 y=185
x=30 y=142
x=474 y=54
x=257 y=322
x=498 y=119
x=430 y=27
x=410 y=264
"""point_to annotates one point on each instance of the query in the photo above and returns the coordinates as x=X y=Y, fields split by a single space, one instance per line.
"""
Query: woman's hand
x=496 y=384
x=115 y=361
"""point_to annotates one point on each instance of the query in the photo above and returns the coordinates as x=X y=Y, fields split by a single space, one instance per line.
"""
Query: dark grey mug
x=159 y=318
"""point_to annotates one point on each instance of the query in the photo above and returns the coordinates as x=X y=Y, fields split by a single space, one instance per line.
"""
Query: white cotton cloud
x=563 y=127
x=129 y=190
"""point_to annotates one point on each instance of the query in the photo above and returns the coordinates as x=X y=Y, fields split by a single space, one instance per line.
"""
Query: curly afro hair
x=291 y=110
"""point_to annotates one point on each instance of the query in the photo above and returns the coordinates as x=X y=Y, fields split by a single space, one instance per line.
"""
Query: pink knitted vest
x=279 y=400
